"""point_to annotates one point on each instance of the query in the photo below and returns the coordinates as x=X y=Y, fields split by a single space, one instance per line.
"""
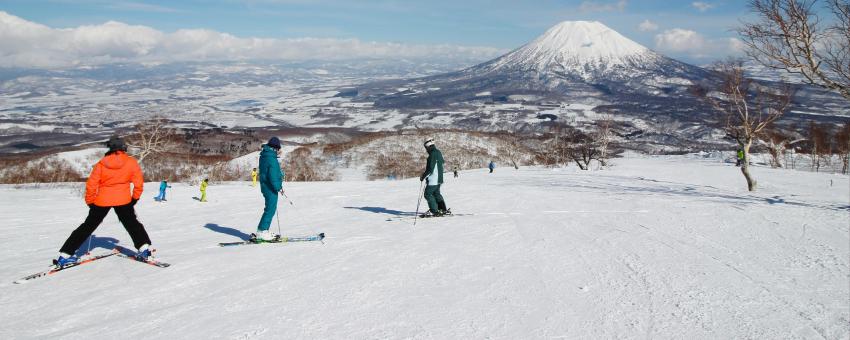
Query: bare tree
x=776 y=142
x=302 y=165
x=511 y=148
x=820 y=147
x=568 y=144
x=603 y=134
x=152 y=136
x=583 y=149
x=842 y=147
x=579 y=147
x=746 y=107
x=788 y=35
x=555 y=146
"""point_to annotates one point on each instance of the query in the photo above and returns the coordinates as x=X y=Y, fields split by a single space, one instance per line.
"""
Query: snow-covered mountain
x=587 y=49
x=582 y=69
x=572 y=57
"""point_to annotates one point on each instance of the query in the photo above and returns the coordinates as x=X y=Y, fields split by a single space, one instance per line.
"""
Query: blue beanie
x=274 y=142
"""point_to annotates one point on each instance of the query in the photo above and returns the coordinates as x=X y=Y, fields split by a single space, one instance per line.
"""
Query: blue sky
x=700 y=30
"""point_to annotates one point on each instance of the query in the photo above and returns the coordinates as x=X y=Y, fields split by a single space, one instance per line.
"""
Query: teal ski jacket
x=434 y=167
x=271 y=176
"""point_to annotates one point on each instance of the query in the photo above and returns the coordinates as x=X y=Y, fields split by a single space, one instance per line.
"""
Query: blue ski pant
x=161 y=195
x=268 y=211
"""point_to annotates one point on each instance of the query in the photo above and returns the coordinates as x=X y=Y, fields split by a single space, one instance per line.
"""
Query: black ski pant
x=434 y=198
x=127 y=216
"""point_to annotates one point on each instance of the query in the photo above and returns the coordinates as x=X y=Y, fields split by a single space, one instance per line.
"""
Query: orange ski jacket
x=109 y=182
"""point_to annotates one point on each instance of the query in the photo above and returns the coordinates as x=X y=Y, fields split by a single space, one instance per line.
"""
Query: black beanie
x=274 y=142
x=116 y=143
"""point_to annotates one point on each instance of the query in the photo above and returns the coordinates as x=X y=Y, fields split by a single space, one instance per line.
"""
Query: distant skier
x=492 y=166
x=162 y=186
x=434 y=176
x=254 y=177
x=271 y=184
x=455 y=169
x=740 y=157
x=204 y=184
x=108 y=187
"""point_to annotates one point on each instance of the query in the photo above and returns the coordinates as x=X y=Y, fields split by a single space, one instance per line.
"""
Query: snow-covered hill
x=668 y=247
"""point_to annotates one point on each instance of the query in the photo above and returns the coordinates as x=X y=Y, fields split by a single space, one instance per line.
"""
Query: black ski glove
x=421 y=178
x=133 y=202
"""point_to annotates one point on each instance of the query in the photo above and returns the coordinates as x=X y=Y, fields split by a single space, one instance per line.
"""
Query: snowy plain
x=653 y=247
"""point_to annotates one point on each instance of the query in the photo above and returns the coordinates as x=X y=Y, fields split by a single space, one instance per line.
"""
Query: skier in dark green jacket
x=271 y=184
x=434 y=176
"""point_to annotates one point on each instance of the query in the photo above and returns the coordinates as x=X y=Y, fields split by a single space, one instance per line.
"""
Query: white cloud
x=647 y=26
x=29 y=44
x=679 y=40
x=695 y=45
x=736 y=45
x=703 y=6
x=594 y=6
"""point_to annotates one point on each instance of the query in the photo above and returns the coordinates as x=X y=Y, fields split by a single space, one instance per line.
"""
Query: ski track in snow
x=661 y=247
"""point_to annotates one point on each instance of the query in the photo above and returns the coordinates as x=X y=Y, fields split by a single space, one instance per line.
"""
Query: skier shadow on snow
x=107 y=243
x=381 y=210
x=227 y=231
x=706 y=193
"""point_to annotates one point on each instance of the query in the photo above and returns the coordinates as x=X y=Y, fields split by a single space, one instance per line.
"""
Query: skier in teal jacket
x=434 y=176
x=162 y=186
x=271 y=184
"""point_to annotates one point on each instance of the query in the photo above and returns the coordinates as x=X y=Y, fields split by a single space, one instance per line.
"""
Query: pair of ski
x=426 y=215
x=131 y=255
x=278 y=239
x=117 y=251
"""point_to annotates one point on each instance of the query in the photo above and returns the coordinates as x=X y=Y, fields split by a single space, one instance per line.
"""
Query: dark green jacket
x=271 y=176
x=434 y=167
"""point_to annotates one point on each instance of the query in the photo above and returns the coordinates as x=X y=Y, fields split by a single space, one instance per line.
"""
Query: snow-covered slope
x=655 y=248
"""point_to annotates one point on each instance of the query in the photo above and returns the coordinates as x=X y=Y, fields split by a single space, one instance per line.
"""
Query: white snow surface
x=659 y=248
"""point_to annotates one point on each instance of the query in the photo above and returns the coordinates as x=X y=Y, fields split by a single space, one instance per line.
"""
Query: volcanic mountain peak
x=577 y=46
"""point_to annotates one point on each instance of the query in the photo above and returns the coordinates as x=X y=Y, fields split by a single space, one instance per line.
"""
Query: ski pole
x=287 y=198
x=277 y=214
x=418 y=201
x=88 y=251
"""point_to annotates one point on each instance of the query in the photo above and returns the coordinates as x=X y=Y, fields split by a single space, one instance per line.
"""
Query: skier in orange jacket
x=108 y=187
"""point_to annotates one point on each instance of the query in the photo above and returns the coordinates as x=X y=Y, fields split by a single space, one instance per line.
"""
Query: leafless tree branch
x=788 y=35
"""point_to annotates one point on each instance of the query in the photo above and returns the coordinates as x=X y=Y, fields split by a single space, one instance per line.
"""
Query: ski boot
x=430 y=214
x=65 y=260
x=262 y=236
x=145 y=253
